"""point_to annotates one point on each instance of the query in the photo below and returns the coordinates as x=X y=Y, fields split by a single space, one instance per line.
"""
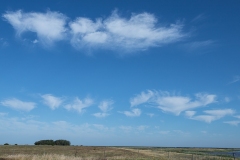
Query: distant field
x=28 y=152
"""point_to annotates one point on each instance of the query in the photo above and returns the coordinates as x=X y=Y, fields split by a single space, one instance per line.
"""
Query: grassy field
x=28 y=152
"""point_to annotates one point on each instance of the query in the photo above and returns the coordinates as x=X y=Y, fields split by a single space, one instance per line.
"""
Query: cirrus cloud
x=79 y=105
x=172 y=103
x=52 y=101
x=18 y=104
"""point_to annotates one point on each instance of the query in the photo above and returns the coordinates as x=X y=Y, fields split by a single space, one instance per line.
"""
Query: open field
x=28 y=152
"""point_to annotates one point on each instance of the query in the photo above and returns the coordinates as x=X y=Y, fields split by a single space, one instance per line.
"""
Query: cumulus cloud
x=49 y=26
x=138 y=32
x=52 y=101
x=212 y=115
x=18 y=104
x=105 y=106
x=79 y=105
x=133 y=113
x=172 y=103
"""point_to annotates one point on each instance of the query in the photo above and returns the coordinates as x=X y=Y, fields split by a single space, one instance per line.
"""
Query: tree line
x=60 y=142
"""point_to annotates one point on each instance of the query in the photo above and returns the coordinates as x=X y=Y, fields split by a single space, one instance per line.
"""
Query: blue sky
x=159 y=73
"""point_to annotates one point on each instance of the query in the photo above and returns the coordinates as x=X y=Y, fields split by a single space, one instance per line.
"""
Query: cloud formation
x=235 y=79
x=18 y=104
x=133 y=113
x=172 y=103
x=52 y=101
x=105 y=106
x=49 y=26
x=210 y=115
x=139 y=32
x=79 y=105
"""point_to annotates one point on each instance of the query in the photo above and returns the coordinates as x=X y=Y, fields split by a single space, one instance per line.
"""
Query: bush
x=6 y=144
x=44 y=142
x=62 y=142
x=51 y=142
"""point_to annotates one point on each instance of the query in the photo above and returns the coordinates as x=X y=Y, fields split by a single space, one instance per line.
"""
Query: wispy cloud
x=190 y=113
x=238 y=116
x=212 y=115
x=52 y=101
x=3 y=42
x=133 y=113
x=126 y=128
x=150 y=114
x=105 y=106
x=139 y=32
x=235 y=79
x=3 y=114
x=143 y=97
x=233 y=123
x=49 y=26
x=172 y=103
x=18 y=104
x=164 y=132
x=79 y=105
x=142 y=127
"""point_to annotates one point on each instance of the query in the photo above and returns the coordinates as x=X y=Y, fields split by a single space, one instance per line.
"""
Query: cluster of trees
x=60 y=142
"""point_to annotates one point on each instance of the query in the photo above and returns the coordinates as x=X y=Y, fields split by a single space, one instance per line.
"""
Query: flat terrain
x=28 y=152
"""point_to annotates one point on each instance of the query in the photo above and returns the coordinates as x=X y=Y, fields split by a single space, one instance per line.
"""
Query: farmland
x=28 y=152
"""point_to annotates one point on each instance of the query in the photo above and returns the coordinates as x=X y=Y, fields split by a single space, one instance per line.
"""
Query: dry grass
x=105 y=153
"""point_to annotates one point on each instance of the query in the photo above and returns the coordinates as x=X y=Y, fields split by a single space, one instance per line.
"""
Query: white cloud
x=164 y=132
x=105 y=106
x=172 y=103
x=126 y=128
x=150 y=114
x=199 y=45
x=190 y=113
x=142 y=127
x=79 y=105
x=139 y=32
x=3 y=42
x=212 y=115
x=234 y=123
x=52 y=101
x=49 y=26
x=134 y=113
x=141 y=98
x=227 y=99
x=235 y=79
x=101 y=115
x=238 y=116
x=177 y=104
x=18 y=104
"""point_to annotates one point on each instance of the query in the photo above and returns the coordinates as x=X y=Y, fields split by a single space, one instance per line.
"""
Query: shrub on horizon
x=60 y=142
